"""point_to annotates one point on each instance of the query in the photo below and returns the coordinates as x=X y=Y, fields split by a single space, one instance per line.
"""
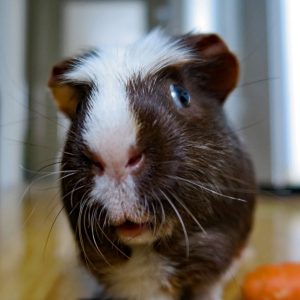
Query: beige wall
x=12 y=124
x=12 y=90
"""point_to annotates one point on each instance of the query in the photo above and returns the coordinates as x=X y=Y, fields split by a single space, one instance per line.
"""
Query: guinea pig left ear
x=217 y=70
x=64 y=93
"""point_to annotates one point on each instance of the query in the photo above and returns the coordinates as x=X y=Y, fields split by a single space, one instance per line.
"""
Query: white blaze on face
x=110 y=130
x=110 y=126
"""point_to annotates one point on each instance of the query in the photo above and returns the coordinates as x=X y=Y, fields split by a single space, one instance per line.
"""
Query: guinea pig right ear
x=64 y=93
x=217 y=70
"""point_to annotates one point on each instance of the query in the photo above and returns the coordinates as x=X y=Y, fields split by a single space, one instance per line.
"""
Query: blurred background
x=264 y=110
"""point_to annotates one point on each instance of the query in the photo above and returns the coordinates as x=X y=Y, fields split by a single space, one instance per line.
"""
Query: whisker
x=50 y=231
x=187 y=243
x=188 y=211
x=256 y=81
x=66 y=176
x=162 y=212
x=31 y=184
x=38 y=171
x=53 y=223
x=206 y=189
x=93 y=241
x=109 y=240
x=226 y=176
x=155 y=219
x=76 y=189
x=79 y=228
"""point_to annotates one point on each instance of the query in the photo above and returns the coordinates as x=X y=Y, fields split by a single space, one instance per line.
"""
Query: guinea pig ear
x=217 y=70
x=64 y=93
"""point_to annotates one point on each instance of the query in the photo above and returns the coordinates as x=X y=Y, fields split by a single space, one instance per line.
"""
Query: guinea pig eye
x=180 y=96
x=79 y=107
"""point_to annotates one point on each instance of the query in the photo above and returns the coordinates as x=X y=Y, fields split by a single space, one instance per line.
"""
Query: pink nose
x=119 y=168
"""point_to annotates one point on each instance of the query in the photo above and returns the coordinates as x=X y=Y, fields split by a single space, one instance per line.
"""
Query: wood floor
x=44 y=267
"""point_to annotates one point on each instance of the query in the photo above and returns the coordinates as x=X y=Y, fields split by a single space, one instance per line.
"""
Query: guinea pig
x=157 y=187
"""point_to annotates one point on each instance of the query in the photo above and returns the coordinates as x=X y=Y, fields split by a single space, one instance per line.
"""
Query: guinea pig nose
x=135 y=161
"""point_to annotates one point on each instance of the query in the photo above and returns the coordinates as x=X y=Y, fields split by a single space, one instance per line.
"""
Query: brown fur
x=192 y=159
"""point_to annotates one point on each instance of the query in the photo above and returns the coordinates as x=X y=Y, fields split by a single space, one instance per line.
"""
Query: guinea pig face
x=146 y=123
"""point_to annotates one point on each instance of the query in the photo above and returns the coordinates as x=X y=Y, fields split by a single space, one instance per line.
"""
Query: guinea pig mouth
x=130 y=229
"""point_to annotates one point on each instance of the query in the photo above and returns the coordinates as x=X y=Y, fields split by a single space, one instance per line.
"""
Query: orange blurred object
x=273 y=282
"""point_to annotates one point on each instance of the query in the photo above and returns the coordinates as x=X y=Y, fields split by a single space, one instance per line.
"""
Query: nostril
x=99 y=166
x=95 y=160
x=135 y=160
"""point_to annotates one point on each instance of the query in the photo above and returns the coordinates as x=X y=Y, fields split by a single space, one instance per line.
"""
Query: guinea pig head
x=148 y=146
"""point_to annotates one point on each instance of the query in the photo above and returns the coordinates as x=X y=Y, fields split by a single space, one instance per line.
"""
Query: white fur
x=144 y=277
x=148 y=55
x=110 y=128
x=119 y=199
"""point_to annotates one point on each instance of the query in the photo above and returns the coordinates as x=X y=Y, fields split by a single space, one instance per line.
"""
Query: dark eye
x=79 y=107
x=180 y=95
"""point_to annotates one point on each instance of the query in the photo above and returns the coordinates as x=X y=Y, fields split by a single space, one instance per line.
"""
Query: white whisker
x=188 y=211
x=191 y=182
x=187 y=243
